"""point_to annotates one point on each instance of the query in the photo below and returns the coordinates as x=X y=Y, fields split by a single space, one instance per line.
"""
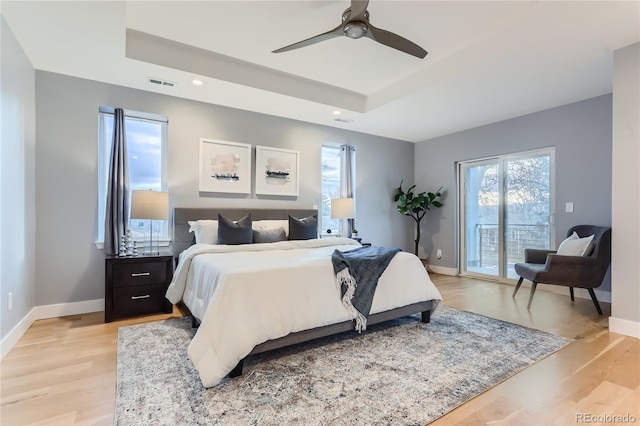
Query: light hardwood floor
x=63 y=371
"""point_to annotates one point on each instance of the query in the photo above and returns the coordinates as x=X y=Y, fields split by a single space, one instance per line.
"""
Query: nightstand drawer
x=133 y=274
x=139 y=300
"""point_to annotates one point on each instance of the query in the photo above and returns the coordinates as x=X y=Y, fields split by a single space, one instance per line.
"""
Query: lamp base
x=153 y=248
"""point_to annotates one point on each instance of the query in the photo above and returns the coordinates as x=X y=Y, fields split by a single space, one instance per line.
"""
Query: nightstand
x=136 y=286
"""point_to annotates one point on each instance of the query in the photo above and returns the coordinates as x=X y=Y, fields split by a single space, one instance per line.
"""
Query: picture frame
x=277 y=171
x=225 y=166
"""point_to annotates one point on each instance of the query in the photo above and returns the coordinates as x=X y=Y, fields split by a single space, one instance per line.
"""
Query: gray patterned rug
x=404 y=372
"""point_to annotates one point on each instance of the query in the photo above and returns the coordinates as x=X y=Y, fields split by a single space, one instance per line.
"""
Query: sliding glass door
x=506 y=207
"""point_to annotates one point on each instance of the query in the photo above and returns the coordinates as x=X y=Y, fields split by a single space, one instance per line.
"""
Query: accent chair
x=586 y=271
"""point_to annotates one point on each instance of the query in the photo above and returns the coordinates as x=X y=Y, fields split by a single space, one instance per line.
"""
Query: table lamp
x=150 y=205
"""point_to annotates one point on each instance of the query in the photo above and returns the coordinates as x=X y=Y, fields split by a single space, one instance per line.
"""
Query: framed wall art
x=277 y=171
x=225 y=166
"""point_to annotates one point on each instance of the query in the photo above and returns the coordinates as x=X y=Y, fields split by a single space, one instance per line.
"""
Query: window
x=147 y=150
x=336 y=161
x=331 y=177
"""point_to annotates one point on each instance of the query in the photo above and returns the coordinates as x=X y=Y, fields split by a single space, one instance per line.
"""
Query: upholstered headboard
x=182 y=238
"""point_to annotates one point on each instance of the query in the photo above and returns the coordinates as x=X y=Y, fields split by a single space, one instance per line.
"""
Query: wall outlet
x=568 y=207
x=10 y=300
x=439 y=254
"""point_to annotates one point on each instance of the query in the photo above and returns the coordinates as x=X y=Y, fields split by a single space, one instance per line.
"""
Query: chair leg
x=571 y=293
x=533 y=290
x=517 y=287
x=595 y=301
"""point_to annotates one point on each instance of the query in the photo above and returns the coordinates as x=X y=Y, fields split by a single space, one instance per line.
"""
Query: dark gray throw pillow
x=269 y=235
x=233 y=233
x=303 y=229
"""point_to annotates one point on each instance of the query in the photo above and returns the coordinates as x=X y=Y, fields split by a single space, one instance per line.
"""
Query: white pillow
x=206 y=231
x=575 y=246
x=264 y=225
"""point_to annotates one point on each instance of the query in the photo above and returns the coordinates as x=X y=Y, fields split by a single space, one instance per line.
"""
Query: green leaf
x=416 y=205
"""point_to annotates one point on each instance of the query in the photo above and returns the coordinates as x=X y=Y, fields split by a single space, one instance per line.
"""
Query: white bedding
x=247 y=294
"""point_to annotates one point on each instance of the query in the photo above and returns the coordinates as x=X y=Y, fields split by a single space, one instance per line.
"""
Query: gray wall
x=625 y=267
x=70 y=268
x=17 y=182
x=581 y=135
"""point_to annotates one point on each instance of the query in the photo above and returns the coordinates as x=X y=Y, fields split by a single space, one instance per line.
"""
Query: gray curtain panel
x=117 y=214
x=347 y=184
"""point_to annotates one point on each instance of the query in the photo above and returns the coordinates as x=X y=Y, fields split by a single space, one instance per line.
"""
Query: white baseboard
x=44 y=312
x=602 y=296
x=443 y=270
x=623 y=326
x=73 y=308
x=16 y=333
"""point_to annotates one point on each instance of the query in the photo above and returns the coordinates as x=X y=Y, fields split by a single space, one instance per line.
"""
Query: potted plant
x=416 y=206
x=354 y=233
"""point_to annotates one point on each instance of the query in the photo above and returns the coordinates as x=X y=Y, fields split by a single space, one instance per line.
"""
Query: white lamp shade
x=342 y=208
x=152 y=205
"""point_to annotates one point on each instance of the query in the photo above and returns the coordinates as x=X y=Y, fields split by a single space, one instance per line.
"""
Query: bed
x=253 y=298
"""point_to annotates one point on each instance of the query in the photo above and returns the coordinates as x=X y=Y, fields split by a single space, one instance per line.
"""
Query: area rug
x=403 y=372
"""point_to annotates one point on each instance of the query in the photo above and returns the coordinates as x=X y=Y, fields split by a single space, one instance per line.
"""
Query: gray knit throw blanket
x=357 y=272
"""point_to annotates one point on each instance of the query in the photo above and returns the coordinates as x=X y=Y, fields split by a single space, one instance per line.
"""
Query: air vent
x=161 y=82
x=343 y=120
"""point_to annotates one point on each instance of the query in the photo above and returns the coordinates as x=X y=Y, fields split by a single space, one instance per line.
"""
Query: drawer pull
x=146 y=296
x=141 y=274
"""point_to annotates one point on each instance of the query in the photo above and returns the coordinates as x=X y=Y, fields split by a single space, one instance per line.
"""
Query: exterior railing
x=518 y=238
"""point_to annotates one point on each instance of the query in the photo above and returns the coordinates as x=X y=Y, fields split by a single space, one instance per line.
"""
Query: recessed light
x=336 y=112
x=197 y=82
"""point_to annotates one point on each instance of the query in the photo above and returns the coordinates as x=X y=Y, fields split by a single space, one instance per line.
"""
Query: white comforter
x=247 y=294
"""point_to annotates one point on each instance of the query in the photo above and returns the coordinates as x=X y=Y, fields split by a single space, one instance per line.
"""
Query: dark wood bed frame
x=183 y=239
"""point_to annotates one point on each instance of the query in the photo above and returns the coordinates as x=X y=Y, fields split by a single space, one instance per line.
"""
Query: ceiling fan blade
x=358 y=9
x=395 y=41
x=336 y=32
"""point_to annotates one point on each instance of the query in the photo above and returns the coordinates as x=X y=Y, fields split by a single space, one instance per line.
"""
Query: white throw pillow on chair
x=575 y=246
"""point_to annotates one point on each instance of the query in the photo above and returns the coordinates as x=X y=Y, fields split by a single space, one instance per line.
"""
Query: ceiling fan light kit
x=355 y=29
x=355 y=24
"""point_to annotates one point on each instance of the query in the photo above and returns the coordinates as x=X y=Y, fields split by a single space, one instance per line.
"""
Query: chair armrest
x=536 y=255
x=574 y=271
x=560 y=261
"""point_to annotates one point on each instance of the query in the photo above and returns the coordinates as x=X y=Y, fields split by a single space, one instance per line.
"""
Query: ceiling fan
x=355 y=24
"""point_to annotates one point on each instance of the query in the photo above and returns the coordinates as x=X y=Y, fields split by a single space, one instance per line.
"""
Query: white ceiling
x=487 y=61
